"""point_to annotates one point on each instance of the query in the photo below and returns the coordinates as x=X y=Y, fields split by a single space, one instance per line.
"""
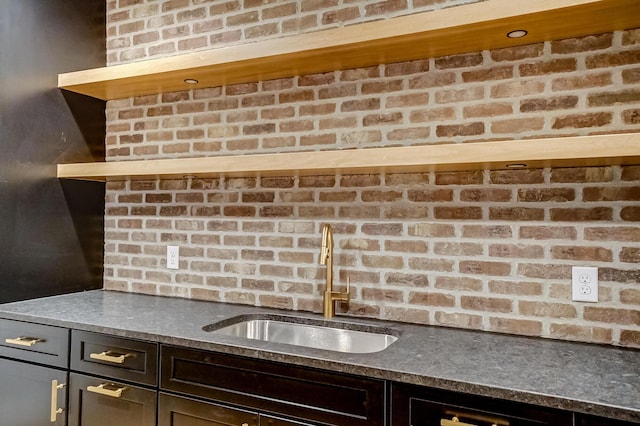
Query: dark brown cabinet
x=585 y=420
x=180 y=411
x=112 y=381
x=273 y=389
x=418 y=406
x=99 y=402
x=32 y=395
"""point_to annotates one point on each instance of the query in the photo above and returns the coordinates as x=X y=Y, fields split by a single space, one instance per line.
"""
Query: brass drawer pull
x=54 y=400
x=102 y=390
x=455 y=421
x=24 y=341
x=109 y=356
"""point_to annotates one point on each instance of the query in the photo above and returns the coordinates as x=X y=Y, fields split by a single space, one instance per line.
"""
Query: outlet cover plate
x=584 y=283
x=173 y=257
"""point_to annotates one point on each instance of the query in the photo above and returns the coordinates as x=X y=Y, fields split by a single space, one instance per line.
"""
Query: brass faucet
x=326 y=258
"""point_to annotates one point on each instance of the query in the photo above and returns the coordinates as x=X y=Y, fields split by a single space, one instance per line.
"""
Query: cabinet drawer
x=417 y=406
x=178 y=411
x=98 y=402
x=116 y=357
x=301 y=393
x=38 y=343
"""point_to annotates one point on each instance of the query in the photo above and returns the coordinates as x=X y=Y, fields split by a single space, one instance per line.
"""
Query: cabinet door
x=584 y=420
x=31 y=395
x=321 y=396
x=179 y=411
x=99 y=402
x=418 y=406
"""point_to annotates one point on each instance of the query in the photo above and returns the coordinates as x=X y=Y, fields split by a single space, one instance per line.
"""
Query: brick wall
x=487 y=250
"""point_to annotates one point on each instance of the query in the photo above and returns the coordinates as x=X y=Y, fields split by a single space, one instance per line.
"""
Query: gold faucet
x=326 y=258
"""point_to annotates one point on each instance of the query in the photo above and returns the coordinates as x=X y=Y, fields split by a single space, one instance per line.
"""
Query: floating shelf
x=462 y=29
x=533 y=153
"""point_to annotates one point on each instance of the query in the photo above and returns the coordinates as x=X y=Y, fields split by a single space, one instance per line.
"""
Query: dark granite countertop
x=593 y=379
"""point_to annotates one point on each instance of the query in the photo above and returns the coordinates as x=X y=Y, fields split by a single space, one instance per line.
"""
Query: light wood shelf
x=534 y=153
x=462 y=29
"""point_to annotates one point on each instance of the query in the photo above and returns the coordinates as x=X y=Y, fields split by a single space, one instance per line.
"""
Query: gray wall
x=51 y=231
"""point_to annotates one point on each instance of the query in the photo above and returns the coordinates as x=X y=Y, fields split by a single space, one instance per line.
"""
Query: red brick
x=515 y=326
x=431 y=299
x=548 y=67
x=526 y=288
x=457 y=249
x=486 y=231
x=581 y=174
x=459 y=283
x=516 y=251
x=630 y=338
x=616 y=59
x=581 y=333
x=458 y=213
x=517 y=125
x=516 y=213
x=490 y=74
x=459 y=61
x=487 y=110
x=459 y=178
x=485 y=195
x=546 y=195
x=630 y=214
x=406 y=68
x=612 y=315
x=582 y=82
x=548 y=104
x=436 y=195
x=486 y=304
x=582 y=214
x=459 y=320
x=516 y=177
x=631 y=193
x=596 y=254
x=619 y=233
x=578 y=121
x=582 y=44
x=471 y=129
x=630 y=255
x=432 y=79
x=548 y=232
x=518 y=52
x=612 y=98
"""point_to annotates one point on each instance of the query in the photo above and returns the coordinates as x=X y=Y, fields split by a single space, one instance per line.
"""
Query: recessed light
x=517 y=33
x=191 y=81
x=516 y=166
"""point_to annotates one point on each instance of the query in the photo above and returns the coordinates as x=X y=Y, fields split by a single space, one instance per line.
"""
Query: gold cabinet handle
x=109 y=356
x=455 y=421
x=55 y=387
x=23 y=341
x=102 y=390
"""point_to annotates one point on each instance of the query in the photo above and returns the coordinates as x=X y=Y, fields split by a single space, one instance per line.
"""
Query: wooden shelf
x=462 y=29
x=551 y=152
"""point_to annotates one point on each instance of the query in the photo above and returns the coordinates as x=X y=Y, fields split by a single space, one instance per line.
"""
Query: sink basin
x=333 y=336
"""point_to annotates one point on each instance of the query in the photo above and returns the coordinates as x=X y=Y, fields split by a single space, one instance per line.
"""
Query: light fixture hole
x=516 y=166
x=191 y=81
x=517 y=33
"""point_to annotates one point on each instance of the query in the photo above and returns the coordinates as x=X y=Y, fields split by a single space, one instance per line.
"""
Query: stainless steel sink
x=340 y=337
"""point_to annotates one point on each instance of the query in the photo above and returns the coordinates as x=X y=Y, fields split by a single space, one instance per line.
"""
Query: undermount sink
x=333 y=336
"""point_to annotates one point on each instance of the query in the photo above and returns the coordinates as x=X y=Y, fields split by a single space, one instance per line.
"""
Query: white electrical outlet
x=584 y=283
x=173 y=257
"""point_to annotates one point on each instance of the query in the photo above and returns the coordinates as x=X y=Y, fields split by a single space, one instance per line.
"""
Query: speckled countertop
x=584 y=378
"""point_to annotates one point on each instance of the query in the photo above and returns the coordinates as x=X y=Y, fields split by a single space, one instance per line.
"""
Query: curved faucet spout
x=326 y=258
